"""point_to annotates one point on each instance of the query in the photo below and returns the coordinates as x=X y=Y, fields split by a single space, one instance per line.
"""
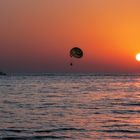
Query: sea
x=70 y=107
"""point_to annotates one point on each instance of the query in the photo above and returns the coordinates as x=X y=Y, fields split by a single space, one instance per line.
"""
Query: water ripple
x=86 y=107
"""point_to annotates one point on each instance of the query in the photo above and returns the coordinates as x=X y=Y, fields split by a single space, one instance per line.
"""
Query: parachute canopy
x=76 y=52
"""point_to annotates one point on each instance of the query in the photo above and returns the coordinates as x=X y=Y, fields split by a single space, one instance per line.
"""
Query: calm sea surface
x=79 y=107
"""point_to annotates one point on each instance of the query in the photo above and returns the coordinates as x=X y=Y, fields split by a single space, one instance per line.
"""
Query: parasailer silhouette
x=76 y=53
x=71 y=63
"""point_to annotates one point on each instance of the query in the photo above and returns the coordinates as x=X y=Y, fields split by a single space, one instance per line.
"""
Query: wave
x=126 y=111
x=60 y=129
x=75 y=74
x=35 y=137
x=38 y=132
x=121 y=131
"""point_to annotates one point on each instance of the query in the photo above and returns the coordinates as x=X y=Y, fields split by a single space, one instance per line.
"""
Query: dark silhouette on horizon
x=2 y=73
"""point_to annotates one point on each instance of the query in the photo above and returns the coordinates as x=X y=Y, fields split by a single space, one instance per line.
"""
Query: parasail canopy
x=76 y=52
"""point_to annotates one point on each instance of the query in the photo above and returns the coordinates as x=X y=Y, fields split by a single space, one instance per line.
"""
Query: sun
x=138 y=57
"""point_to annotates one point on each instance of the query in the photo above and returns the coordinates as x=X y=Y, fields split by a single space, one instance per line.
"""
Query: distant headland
x=2 y=73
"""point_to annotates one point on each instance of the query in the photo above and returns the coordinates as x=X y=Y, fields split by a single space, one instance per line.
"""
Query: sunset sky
x=36 y=35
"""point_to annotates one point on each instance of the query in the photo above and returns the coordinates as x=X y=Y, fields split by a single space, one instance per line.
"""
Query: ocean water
x=70 y=107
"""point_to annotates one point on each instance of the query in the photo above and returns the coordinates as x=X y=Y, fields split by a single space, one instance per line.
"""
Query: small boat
x=2 y=73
